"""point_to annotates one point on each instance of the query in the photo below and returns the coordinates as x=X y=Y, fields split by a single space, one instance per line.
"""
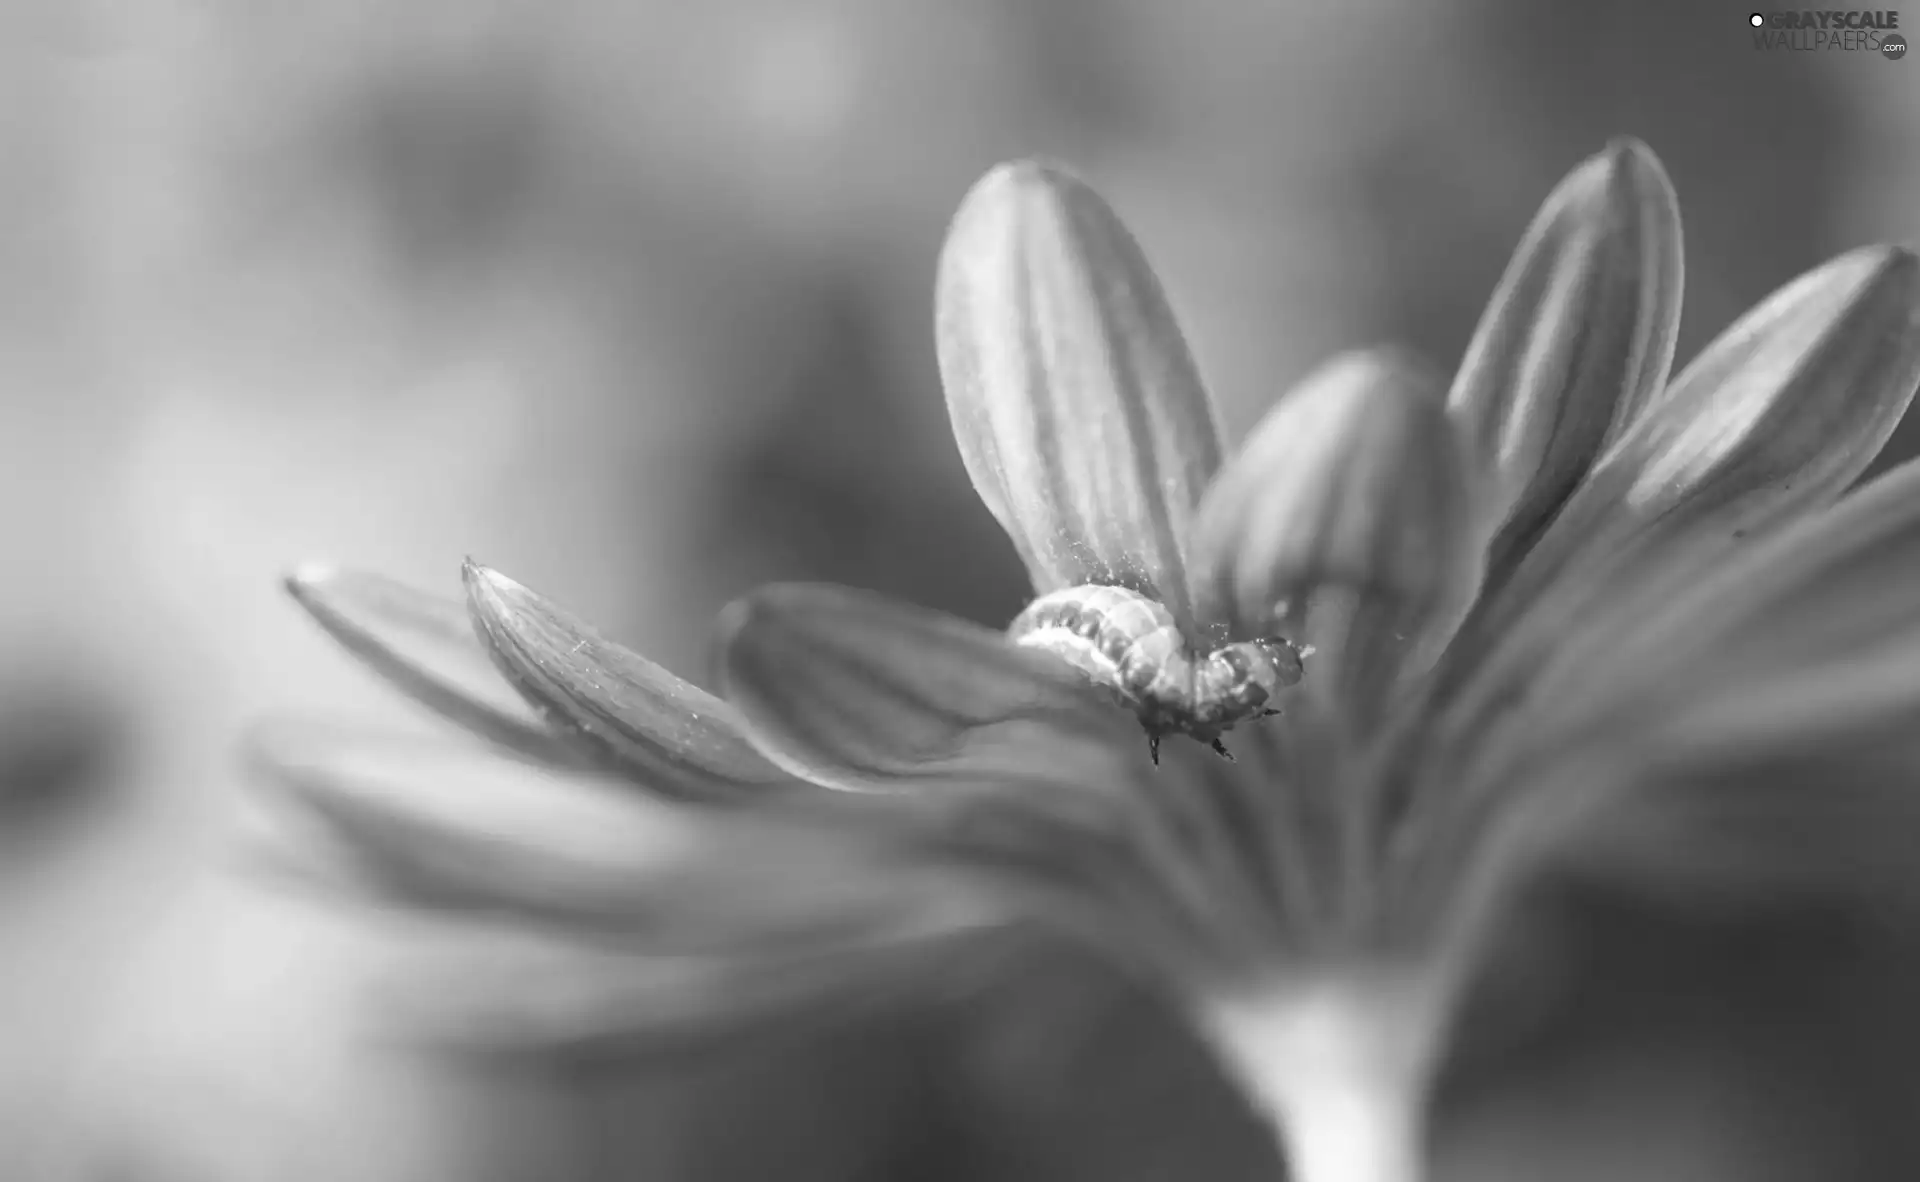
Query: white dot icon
x=1756 y=20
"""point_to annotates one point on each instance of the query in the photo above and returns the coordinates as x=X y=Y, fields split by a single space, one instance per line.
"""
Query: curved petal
x=1774 y=420
x=1800 y=654
x=859 y=692
x=1345 y=523
x=676 y=738
x=1016 y=769
x=1074 y=400
x=1835 y=823
x=1578 y=337
x=1811 y=632
x=426 y=646
x=452 y=827
x=501 y=991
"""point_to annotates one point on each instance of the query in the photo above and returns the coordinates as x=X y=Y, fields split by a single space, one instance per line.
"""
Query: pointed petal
x=1075 y=402
x=674 y=737
x=1345 y=522
x=1772 y=422
x=1785 y=409
x=1578 y=337
x=425 y=645
x=855 y=691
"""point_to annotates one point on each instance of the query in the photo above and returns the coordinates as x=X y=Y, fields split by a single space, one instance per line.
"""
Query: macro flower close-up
x=1290 y=730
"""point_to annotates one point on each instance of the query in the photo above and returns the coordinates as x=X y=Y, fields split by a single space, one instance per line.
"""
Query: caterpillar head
x=1236 y=681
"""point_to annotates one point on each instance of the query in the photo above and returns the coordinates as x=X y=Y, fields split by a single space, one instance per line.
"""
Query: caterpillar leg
x=1269 y=713
x=1220 y=749
x=1153 y=748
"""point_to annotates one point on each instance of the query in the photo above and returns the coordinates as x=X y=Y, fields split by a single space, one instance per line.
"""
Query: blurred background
x=633 y=301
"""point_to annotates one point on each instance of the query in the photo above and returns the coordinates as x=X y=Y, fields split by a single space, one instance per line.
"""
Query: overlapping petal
x=453 y=827
x=674 y=737
x=452 y=824
x=425 y=645
x=1772 y=422
x=1345 y=522
x=493 y=990
x=1074 y=400
x=1769 y=708
x=1577 y=339
x=1811 y=633
x=1023 y=770
x=858 y=692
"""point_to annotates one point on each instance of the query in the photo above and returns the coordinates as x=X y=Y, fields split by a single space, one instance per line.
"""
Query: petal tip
x=734 y=617
x=488 y=586
x=307 y=578
x=1029 y=174
x=1897 y=259
x=1630 y=152
x=1398 y=369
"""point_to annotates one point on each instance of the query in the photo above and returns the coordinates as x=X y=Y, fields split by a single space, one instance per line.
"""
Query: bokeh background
x=632 y=300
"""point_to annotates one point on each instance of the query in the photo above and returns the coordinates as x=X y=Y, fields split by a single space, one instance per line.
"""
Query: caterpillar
x=1128 y=645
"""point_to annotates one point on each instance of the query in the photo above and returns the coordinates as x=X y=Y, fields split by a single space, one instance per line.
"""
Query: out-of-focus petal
x=1834 y=822
x=1802 y=652
x=1810 y=633
x=455 y=825
x=855 y=691
x=452 y=827
x=427 y=647
x=1014 y=767
x=674 y=737
x=1578 y=337
x=1774 y=420
x=504 y=991
x=1075 y=403
x=1345 y=522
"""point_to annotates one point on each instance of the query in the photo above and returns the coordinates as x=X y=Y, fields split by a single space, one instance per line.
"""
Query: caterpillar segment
x=1128 y=646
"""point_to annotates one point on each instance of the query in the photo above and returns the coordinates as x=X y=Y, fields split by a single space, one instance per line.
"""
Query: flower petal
x=1802 y=652
x=453 y=827
x=503 y=991
x=1345 y=522
x=859 y=692
x=1774 y=420
x=1075 y=402
x=426 y=646
x=1833 y=823
x=1032 y=777
x=1578 y=337
x=676 y=738
x=1812 y=632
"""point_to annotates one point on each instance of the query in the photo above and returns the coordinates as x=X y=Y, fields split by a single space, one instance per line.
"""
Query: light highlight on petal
x=1074 y=400
x=1345 y=522
x=678 y=739
x=855 y=691
x=1578 y=338
x=425 y=645
x=1773 y=421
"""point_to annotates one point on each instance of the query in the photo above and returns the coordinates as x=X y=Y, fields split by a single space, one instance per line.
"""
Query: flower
x=1560 y=610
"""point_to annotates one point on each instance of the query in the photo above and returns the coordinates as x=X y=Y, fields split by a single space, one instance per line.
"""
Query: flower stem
x=1340 y=1066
